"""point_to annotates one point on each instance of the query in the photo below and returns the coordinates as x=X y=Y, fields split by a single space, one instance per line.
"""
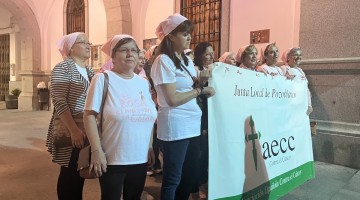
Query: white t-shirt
x=82 y=71
x=298 y=72
x=271 y=70
x=128 y=117
x=175 y=123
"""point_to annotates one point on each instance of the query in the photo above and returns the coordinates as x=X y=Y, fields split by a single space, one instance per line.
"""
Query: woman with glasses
x=70 y=80
x=291 y=69
x=121 y=156
x=174 y=77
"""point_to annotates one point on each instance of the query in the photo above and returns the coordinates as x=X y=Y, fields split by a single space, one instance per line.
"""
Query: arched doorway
x=25 y=38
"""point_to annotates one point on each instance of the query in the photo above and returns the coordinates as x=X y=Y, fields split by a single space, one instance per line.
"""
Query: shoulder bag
x=85 y=153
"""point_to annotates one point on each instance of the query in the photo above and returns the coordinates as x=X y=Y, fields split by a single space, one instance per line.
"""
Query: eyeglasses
x=84 y=43
x=125 y=51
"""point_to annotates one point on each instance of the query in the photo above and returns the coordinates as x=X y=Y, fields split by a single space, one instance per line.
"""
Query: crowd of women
x=163 y=86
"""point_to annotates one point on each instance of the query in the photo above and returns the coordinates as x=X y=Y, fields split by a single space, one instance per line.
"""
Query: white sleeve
x=95 y=93
x=163 y=70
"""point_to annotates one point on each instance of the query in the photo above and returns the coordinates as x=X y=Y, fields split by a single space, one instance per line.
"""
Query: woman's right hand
x=204 y=76
x=208 y=91
x=98 y=162
x=77 y=138
x=289 y=76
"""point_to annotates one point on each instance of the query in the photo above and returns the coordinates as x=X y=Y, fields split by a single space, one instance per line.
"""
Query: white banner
x=259 y=135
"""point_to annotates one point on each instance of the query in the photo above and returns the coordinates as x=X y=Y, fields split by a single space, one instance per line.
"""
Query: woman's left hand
x=151 y=157
x=98 y=162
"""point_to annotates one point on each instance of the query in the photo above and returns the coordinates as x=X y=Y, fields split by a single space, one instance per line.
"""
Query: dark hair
x=166 y=45
x=199 y=51
x=122 y=42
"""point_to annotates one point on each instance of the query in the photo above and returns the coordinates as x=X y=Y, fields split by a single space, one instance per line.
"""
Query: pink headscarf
x=66 y=42
x=225 y=56
x=111 y=43
x=150 y=52
x=261 y=55
x=168 y=25
x=107 y=66
x=240 y=51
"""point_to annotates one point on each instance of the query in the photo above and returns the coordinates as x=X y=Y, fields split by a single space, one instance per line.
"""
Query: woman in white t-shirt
x=269 y=60
x=174 y=75
x=121 y=157
x=292 y=59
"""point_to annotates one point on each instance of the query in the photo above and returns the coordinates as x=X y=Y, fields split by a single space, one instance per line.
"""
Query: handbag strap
x=105 y=91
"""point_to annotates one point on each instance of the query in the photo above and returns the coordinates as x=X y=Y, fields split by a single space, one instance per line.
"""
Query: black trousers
x=70 y=184
x=129 y=178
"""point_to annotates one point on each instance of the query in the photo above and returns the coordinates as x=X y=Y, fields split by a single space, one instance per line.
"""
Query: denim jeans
x=181 y=168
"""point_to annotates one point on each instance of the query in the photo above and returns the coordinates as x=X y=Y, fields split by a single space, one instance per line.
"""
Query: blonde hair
x=266 y=52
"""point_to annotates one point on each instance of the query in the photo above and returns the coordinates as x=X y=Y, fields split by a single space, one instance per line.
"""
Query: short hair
x=291 y=52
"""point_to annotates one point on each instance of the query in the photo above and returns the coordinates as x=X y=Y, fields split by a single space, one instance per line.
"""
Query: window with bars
x=206 y=16
x=4 y=65
x=75 y=16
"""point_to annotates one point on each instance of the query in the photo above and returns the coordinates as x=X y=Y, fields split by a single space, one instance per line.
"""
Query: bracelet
x=197 y=91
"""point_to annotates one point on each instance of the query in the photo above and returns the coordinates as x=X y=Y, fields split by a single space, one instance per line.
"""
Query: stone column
x=329 y=38
x=15 y=65
x=30 y=74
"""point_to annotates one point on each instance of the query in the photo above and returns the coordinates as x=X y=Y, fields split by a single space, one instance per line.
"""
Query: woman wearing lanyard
x=179 y=116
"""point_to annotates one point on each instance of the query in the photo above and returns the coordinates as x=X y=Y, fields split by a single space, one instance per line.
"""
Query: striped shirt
x=68 y=91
